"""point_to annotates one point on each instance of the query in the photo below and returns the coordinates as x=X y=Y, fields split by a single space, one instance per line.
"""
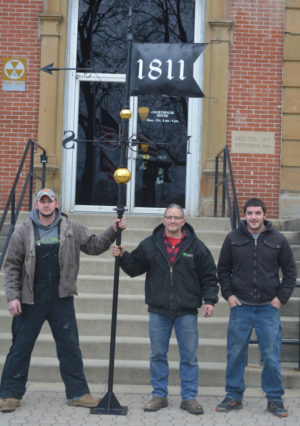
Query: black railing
x=228 y=189
x=28 y=184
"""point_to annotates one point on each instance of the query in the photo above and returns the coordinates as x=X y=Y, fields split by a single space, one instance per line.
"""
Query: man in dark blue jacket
x=248 y=270
x=180 y=273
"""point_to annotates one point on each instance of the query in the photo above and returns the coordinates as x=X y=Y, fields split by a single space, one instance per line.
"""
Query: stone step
x=213 y=350
x=94 y=306
x=293 y=237
x=127 y=325
x=135 y=304
x=137 y=372
x=127 y=285
x=104 y=284
x=137 y=325
x=104 y=265
x=207 y=235
x=296 y=251
x=148 y=223
x=130 y=246
x=210 y=349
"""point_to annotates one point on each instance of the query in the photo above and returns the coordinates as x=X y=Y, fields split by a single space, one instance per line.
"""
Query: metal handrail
x=11 y=202
x=228 y=189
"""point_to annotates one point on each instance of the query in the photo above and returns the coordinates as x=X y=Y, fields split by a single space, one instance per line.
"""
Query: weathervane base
x=109 y=405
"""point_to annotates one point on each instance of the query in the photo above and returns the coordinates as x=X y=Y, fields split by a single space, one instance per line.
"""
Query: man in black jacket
x=180 y=273
x=248 y=267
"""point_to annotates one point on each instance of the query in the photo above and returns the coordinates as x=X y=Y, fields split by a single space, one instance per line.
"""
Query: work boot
x=277 y=408
x=156 y=404
x=8 y=405
x=192 y=406
x=229 y=405
x=87 y=401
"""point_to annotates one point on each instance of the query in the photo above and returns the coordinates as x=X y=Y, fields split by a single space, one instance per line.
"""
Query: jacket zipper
x=255 y=266
x=171 y=266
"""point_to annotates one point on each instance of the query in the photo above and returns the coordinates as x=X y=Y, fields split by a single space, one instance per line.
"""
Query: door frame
x=70 y=122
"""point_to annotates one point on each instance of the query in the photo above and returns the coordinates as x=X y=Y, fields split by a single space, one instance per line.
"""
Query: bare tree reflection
x=102 y=43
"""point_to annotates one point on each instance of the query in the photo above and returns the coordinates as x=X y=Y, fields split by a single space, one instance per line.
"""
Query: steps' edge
x=287 y=371
x=100 y=388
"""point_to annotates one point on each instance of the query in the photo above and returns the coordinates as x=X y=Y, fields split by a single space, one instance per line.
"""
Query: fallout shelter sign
x=14 y=74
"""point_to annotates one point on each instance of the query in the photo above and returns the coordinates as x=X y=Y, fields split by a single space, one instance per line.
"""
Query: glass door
x=158 y=159
x=167 y=129
x=99 y=155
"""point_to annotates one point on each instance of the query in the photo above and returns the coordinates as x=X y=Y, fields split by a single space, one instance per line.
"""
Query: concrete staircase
x=94 y=306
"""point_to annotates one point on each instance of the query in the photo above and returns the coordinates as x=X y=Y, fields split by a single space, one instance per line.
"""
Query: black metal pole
x=216 y=187
x=109 y=404
x=31 y=175
x=223 y=187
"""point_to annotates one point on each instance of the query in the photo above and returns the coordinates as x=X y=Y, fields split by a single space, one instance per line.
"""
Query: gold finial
x=122 y=175
x=125 y=113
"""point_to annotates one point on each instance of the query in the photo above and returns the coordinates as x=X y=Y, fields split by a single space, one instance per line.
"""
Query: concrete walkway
x=44 y=404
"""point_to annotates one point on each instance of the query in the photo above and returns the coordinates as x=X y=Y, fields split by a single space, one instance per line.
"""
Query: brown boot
x=87 y=401
x=156 y=404
x=192 y=406
x=8 y=405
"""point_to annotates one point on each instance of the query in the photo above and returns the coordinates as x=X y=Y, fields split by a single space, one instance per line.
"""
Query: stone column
x=290 y=159
x=52 y=28
x=216 y=75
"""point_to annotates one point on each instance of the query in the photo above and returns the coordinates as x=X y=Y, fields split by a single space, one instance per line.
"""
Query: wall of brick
x=255 y=95
x=18 y=110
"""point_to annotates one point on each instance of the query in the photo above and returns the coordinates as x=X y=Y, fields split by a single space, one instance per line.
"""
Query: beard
x=47 y=214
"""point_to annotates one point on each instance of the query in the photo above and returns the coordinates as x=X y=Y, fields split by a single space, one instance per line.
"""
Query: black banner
x=165 y=69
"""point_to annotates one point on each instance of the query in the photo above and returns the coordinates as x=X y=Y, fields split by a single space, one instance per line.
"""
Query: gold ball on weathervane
x=122 y=175
x=125 y=113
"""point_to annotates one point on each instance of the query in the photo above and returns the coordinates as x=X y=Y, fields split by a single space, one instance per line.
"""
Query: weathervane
x=153 y=69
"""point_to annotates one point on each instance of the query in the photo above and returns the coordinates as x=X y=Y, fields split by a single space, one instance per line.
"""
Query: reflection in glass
x=161 y=165
x=102 y=44
x=103 y=27
x=99 y=109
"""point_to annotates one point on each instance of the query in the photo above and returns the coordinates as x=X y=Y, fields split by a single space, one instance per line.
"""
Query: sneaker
x=156 y=404
x=192 y=406
x=228 y=405
x=87 y=401
x=277 y=408
x=8 y=405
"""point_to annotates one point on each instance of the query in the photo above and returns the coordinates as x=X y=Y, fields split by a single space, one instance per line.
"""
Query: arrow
x=49 y=69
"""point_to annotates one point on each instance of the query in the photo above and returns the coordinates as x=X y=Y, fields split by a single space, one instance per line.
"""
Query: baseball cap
x=46 y=192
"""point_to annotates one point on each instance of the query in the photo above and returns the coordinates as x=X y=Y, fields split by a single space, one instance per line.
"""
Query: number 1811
x=156 y=69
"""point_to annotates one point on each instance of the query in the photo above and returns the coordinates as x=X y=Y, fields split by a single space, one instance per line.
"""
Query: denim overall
x=60 y=314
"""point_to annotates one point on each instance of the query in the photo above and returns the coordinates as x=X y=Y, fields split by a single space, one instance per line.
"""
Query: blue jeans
x=186 y=330
x=266 y=322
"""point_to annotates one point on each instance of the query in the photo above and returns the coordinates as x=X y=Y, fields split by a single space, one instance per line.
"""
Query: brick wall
x=255 y=95
x=18 y=110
